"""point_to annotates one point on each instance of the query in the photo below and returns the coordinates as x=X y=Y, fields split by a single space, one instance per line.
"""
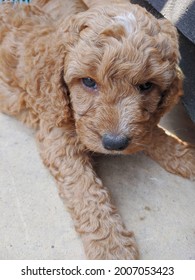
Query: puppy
x=92 y=76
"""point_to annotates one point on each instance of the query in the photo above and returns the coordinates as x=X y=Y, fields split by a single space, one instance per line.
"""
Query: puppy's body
x=97 y=78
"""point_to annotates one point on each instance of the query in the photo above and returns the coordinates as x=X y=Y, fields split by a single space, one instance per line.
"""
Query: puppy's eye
x=90 y=83
x=145 y=87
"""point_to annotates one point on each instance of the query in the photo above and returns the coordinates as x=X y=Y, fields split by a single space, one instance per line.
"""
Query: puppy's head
x=121 y=68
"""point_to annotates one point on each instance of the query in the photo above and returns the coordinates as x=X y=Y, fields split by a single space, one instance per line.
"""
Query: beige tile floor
x=158 y=206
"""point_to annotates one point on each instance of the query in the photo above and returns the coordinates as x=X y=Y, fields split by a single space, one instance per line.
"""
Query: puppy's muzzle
x=115 y=142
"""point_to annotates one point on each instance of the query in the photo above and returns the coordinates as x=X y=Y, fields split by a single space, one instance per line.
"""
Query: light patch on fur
x=125 y=109
x=128 y=20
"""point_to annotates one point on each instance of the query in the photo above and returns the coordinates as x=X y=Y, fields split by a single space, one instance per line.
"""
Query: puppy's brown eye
x=145 y=87
x=90 y=83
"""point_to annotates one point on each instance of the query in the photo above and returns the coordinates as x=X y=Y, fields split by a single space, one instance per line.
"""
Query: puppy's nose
x=115 y=142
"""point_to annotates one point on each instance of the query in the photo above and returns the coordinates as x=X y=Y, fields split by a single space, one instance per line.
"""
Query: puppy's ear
x=169 y=48
x=56 y=91
x=168 y=41
x=172 y=95
x=49 y=94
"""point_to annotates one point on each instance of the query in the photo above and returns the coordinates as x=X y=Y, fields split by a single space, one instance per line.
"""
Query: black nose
x=115 y=142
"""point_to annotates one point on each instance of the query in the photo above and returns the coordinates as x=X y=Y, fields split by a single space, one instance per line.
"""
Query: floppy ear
x=48 y=93
x=169 y=47
x=173 y=94
x=56 y=88
x=168 y=39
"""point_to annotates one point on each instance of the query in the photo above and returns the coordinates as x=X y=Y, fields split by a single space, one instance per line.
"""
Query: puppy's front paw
x=183 y=162
x=186 y=163
x=173 y=154
x=115 y=246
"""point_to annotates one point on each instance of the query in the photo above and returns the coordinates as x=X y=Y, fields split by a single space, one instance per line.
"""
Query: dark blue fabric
x=185 y=11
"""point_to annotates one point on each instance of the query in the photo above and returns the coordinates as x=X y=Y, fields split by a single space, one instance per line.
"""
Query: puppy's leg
x=95 y=218
x=174 y=155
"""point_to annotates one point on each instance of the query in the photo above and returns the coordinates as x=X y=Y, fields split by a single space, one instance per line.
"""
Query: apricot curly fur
x=46 y=48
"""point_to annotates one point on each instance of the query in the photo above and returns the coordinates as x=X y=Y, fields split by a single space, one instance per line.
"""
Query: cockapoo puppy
x=92 y=76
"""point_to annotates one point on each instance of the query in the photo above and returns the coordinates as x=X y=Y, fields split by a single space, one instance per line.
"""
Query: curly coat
x=46 y=49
